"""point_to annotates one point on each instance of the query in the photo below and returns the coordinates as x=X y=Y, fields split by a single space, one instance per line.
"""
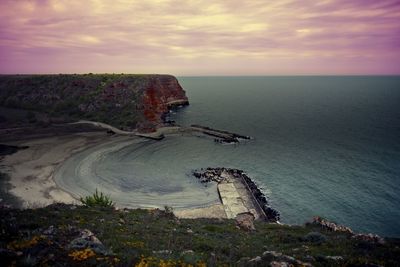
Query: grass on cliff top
x=77 y=96
x=157 y=237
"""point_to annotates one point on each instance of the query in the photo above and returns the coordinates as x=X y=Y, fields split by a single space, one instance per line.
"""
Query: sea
x=324 y=146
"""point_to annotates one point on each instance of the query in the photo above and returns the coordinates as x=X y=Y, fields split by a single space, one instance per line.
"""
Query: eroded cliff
x=123 y=100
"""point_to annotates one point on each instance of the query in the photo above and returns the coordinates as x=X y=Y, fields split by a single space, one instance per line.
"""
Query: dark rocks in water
x=215 y=175
x=170 y=122
x=226 y=141
x=110 y=132
x=223 y=137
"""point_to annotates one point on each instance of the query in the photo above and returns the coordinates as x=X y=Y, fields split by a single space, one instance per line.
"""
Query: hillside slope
x=125 y=101
x=66 y=235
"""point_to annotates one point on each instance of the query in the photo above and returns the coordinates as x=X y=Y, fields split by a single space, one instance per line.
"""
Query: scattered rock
x=314 y=237
x=335 y=258
x=287 y=258
x=243 y=261
x=370 y=238
x=163 y=252
x=245 y=221
x=270 y=255
x=331 y=226
x=49 y=231
x=189 y=251
x=279 y=264
x=303 y=264
x=87 y=239
x=256 y=259
x=309 y=258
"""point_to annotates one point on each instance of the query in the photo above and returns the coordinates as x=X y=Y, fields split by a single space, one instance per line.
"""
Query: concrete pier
x=238 y=193
x=237 y=199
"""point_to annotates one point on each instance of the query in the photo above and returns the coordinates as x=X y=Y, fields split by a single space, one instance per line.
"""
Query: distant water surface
x=327 y=146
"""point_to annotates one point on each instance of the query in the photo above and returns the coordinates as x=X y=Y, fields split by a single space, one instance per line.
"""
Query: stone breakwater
x=245 y=191
x=221 y=135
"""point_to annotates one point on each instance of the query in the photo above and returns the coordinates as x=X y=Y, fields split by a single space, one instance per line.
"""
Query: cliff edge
x=126 y=101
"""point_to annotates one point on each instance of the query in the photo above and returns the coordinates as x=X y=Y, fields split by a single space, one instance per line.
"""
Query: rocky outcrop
x=245 y=221
x=161 y=94
x=273 y=259
x=124 y=101
x=330 y=226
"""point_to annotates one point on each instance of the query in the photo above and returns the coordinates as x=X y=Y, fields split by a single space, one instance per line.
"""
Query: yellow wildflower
x=80 y=255
x=15 y=245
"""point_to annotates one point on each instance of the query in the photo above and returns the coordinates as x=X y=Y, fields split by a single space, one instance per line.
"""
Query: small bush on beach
x=98 y=199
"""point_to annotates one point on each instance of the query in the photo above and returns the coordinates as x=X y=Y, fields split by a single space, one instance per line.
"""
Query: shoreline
x=31 y=175
x=31 y=171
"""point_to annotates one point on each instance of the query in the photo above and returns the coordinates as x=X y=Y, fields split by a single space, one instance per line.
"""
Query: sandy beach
x=31 y=171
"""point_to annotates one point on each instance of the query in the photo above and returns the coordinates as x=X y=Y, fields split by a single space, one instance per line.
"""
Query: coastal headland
x=50 y=115
x=48 y=120
x=125 y=101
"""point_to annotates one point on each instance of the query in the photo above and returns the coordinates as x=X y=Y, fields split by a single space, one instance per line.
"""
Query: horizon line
x=200 y=75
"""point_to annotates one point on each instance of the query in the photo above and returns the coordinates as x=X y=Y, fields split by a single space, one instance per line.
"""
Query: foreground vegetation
x=98 y=199
x=68 y=235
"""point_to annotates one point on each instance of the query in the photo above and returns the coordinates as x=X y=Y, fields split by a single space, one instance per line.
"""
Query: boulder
x=279 y=264
x=87 y=239
x=245 y=221
x=371 y=238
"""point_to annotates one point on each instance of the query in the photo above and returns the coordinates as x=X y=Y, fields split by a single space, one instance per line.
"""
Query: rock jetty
x=222 y=136
x=238 y=193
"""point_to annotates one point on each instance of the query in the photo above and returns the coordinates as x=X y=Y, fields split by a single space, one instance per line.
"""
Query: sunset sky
x=200 y=37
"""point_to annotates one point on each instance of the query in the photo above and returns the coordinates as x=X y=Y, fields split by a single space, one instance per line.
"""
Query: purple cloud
x=234 y=37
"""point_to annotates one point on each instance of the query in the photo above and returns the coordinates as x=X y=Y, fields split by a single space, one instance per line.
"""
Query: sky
x=200 y=37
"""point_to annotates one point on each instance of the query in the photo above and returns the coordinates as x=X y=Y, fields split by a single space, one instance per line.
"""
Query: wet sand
x=31 y=171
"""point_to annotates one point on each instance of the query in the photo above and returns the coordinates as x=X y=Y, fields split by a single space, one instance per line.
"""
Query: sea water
x=326 y=146
x=322 y=146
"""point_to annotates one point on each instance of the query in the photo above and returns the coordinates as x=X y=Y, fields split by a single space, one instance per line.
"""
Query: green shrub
x=314 y=237
x=169 y=212
x=97 y=200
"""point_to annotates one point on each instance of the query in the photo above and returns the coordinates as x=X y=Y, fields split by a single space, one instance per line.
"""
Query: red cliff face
x=161 y=93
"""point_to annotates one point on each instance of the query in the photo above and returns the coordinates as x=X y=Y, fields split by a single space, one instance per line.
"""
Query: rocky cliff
x=161 y=94
x=123 y=100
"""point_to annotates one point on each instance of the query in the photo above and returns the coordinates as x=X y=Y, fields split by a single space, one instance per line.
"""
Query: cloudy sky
x=200 y=37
